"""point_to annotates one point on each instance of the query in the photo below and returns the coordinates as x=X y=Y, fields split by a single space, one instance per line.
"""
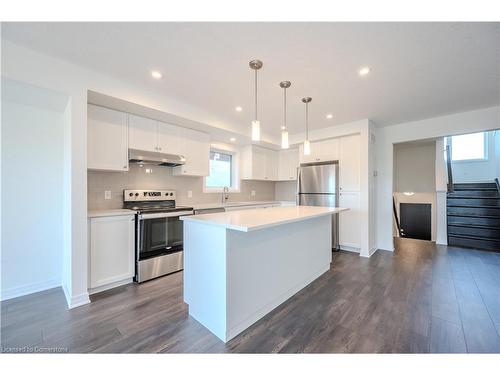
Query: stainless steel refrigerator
x=318 y=185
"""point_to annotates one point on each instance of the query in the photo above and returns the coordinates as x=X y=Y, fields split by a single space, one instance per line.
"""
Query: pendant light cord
x=255 y=95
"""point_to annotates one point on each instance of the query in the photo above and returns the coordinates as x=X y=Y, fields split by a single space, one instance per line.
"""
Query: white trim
x=352 y=249
x=26 y=289
x=76 y=301
x=112 y=285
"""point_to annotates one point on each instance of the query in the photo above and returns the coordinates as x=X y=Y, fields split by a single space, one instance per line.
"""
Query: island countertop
x=261 y=218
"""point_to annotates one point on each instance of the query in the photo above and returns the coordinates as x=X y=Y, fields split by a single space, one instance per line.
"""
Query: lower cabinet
x=349 y=221
x=112 y=247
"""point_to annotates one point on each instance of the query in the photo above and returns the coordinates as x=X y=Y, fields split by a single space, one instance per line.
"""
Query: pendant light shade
x=307 y=144
x=284 y=139
x=284 y=132
x=255 y=65
x=255 y=130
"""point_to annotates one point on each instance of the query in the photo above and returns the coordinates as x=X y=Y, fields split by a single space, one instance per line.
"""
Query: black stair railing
x=448 y=167
x=396 y=218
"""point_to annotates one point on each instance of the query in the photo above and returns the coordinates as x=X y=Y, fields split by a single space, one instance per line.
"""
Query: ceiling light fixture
x=329 y=116
x=232 y=139
x=156 y=75
x=238 y=109
x=255 y=65
x=364 y=71
x=284 y=132
x=307 y=144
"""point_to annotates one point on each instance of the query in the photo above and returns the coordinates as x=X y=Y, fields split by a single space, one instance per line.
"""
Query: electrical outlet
x=252 y=193
x=107 y=194
x=190 y=194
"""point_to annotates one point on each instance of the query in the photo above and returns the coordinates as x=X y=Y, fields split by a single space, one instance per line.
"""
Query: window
x=221 y=170
x=469 y=147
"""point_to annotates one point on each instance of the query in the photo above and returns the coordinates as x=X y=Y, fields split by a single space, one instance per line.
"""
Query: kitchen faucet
x=225 y=194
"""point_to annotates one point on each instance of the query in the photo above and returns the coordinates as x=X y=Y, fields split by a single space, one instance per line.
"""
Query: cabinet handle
x=124 y=167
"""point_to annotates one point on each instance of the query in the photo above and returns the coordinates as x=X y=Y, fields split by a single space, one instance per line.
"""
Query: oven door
x=160 y=233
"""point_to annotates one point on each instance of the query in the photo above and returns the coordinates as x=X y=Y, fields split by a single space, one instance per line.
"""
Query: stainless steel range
x=158 y=232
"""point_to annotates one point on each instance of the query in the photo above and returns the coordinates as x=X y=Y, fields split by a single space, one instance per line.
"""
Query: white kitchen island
x=240 y=265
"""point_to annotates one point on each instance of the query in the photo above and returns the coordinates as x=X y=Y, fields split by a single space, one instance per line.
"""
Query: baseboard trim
x=75 y=301
x=352 y=249
x=24 y=290
x=115 y=284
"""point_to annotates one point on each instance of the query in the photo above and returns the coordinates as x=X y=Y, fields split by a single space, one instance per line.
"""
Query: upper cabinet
x=195 y=147
x=259 y=163
x=321 y=151
x=288 y=161
x=350 y=163
x=107 y=139
x=143 y=134
x=169 y=139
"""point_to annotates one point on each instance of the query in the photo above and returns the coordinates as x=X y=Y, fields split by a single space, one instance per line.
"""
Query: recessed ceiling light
x=156 y=75
x=364 y=71
x=238 y=109
x=329 y=116
x=232 y=139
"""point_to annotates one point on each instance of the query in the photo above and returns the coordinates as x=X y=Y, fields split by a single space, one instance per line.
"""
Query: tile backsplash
x=161 y=178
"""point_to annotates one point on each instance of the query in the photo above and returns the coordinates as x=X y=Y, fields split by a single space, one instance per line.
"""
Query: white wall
x=496 y=135
x=415 y=167
x=460 y=123
x=478 y=170
x=32 y=189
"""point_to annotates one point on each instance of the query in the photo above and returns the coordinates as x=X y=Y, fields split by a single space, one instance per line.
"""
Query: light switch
x=107 y=194
x=190 y=194
x=252 y=193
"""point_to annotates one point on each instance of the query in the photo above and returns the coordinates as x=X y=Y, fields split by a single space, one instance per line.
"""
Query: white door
x=349 y=221
x=143 y=133
x=111 y=250
x=107 y=139
x=349 y=163
x=271 y=165
x=169 y=138
x=195 y=147
x=259 y=170
x=287 y=164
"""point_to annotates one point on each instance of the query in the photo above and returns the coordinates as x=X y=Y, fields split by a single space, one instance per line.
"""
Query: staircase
x=474 y=216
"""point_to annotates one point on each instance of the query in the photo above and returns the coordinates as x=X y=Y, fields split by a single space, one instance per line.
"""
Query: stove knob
x=166 y=194
x=131 y=194
x=136 y=194
x=171 y=194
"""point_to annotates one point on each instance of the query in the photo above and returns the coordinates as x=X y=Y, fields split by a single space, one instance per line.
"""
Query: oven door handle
x=164 y=214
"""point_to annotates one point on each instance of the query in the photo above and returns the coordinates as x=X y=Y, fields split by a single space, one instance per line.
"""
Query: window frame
x=485 y=149
x=235 y=180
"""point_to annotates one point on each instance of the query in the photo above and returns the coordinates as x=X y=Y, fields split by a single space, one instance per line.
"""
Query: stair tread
x=474 y=189
x=469 y=215
x=466 y=225
x=473 y=206
x=474 y=237
x=471 y=197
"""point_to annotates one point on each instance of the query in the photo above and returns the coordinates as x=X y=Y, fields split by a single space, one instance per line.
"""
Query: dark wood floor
x=422 y=298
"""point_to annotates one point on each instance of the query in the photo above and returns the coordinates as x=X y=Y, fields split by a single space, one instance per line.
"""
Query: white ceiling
x=418 y=70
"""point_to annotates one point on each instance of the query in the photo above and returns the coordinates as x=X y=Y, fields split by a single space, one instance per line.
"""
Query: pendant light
x=284 y=131
x=255 y=65
x=307 y=144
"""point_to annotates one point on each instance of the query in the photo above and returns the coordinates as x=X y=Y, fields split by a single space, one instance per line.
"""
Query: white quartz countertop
x=208 y=206
x=261 y=218
x=111 y=212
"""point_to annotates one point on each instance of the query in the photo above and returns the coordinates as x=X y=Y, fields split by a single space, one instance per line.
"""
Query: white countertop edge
x=263 y=226
x=208 y=206
x=111 y=212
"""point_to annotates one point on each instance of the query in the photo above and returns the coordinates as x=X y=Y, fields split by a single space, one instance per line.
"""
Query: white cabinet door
x=288 y=162
x=111 y=250
x=107 y=139
x=169 y=138
x=143 y=133
x=349 y=221
x=195 y=147
x=271 y=166
x=259 y=159
x=349 y=163
x=321 y=151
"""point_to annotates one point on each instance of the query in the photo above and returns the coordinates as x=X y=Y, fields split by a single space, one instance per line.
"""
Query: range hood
x=155 y=158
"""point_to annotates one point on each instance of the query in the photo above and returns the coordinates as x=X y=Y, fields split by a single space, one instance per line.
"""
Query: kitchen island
x=240 y=265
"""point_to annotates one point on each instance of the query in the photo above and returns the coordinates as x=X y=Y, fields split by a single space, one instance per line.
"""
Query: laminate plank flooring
x=422 y=298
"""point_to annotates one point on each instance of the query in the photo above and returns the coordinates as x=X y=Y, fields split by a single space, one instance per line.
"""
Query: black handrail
x=396 y=216
x=448 y=167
